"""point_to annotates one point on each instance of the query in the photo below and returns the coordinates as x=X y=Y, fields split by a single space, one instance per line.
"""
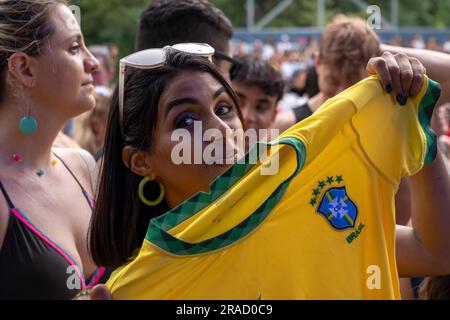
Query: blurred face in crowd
x=102 y=76
x=257 y=107
x=98 y=121
x=299 y=81
x=224 y=66
x=63 y=73
x=191 y=97
x=332 y=82
x=329 y=82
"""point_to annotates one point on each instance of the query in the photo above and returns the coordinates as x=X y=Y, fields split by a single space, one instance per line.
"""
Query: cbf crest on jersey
x=337 y=207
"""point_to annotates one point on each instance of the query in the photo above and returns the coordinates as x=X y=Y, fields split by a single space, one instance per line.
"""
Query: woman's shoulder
x=64 y=141
x=81 y=163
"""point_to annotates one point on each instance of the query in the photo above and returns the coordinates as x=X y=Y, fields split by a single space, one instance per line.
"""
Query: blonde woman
x=45 y=204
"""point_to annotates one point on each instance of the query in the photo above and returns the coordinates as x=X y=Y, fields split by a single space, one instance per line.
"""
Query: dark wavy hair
x=261 y=74
x=120 y=220
x=167 y=22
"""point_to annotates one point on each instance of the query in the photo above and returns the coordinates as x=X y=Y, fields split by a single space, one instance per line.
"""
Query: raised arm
x=424 y=249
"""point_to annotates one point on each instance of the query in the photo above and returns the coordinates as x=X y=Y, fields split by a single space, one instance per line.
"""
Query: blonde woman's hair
x=25 y=26
x=347 y=45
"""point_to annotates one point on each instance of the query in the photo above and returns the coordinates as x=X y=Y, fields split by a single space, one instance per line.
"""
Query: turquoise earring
x=28 y=125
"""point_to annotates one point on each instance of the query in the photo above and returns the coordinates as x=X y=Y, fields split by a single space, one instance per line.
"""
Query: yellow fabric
x=361 y=140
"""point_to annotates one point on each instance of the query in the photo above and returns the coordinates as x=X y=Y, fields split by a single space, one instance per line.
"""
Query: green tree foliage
x=111 y=21
x=115 y=21
x=302 y=13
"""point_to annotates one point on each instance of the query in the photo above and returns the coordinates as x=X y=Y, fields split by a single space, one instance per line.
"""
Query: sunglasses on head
x=155 y=58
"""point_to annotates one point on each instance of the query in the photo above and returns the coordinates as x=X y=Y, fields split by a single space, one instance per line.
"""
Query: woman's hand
x=400 y=75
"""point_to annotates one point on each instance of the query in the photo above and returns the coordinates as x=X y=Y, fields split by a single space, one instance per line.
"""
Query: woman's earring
x=28 y=125
x=144 y=199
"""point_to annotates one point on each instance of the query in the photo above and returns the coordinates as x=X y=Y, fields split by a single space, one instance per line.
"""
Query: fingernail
x=389 y=88
x=401 y=99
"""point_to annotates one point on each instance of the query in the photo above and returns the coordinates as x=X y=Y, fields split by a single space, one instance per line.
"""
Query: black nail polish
x=405 y=100
x=401 y=99
x=389 y=88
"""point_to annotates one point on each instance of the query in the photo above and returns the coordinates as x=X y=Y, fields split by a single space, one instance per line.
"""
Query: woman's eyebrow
x=218 y=92
x=189 y=100
x=177 y=102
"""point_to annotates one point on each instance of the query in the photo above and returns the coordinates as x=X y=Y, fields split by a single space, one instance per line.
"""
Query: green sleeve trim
x=157 y=232
x=425 y=113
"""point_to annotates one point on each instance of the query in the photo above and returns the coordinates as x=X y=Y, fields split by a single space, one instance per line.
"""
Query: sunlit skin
x=257 y=107
x=189 y=97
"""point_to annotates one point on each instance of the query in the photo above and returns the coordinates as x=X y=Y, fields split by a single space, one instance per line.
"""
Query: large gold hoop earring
x=144 y=199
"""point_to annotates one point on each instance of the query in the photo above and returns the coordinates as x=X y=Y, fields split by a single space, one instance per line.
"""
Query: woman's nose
x=217 y=123
x=91 y=63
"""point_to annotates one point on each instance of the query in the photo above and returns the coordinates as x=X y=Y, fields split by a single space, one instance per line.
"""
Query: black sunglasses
x=236 y=64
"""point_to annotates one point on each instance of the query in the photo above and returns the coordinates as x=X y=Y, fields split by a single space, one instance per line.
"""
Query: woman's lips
x=89 y=86
x=89 y=82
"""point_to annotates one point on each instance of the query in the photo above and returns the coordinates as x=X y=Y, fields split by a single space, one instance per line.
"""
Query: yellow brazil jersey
x=322 y=227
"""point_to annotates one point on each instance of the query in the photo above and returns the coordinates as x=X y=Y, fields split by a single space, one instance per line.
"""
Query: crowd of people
x=82 y=153
x=292 y=54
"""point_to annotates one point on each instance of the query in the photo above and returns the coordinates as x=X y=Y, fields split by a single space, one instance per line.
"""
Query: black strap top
x=32 y=266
